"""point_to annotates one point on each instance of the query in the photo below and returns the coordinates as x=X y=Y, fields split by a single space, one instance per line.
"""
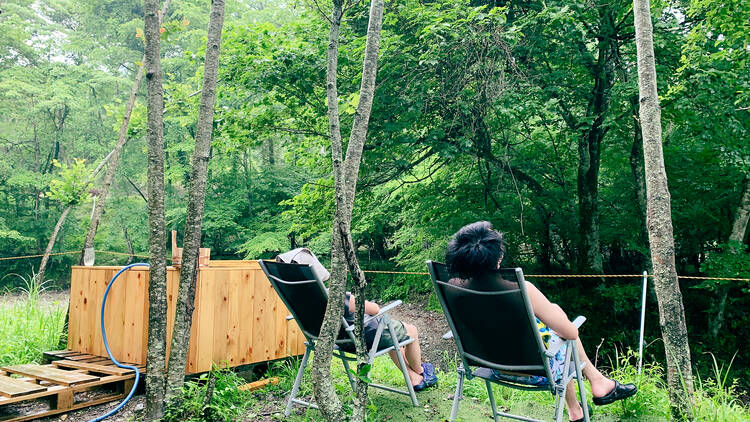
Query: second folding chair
x=498 y=340
x=306 y=298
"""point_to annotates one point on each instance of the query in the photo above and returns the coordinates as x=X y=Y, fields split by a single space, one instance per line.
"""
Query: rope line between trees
x=687 y=277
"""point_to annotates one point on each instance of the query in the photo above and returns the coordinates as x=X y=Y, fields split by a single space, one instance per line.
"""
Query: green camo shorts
x=385 y=338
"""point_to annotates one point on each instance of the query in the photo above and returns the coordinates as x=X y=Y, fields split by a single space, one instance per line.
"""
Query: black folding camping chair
x=306 y=297
x=496 y=331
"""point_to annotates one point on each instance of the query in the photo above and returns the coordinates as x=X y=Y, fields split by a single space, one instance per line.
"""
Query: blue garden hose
x=109 y=352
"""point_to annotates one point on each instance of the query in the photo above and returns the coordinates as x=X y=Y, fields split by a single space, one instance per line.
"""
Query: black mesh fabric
x=491 y=324
x=302 y=294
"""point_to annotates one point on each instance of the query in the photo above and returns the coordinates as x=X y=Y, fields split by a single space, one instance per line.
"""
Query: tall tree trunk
x=739 y=227
x=589 y=158
x=122 y=139
x=196 y=201
x=157 y=288
x=639 y=176
x=51 y=243
x=325 y=394
x=661 y=238
x=346 y=173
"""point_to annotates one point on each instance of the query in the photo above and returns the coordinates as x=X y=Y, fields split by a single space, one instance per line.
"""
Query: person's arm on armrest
x=371 y=308
x=551 y=314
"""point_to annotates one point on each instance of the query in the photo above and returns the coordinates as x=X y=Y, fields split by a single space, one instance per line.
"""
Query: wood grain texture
x=238 y=317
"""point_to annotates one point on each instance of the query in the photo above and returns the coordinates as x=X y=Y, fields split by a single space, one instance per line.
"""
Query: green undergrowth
x=714 y=400
x=197 y=403
x=29 y=326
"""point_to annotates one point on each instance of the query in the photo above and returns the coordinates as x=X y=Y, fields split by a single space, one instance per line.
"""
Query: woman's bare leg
x=600 y=385
x=575 y=411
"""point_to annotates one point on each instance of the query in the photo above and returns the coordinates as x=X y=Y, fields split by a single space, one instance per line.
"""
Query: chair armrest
x=554 y=346
x=580 y=319
x=289 y=317
x=448 y=335
x=383 y=311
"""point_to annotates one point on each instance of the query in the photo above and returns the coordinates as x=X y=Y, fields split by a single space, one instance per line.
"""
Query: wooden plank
x=11 y=387
x=234 y=323
x=192 y=357
x=136 y=328
x=263 y=325
x=75 y=313
x=52 y=412
x=90 y=311
x=221 y=321
x=92 y=367
x=218 y=263
x=246 y=292
x=116 y=313
x=205 y=313
x=50 y=391
x=280 y=326
x=173 y=284
x=50 y=374
x=257 y=385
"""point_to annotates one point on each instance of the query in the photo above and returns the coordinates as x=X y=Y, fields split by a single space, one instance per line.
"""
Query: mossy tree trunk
x=157 y=288
x=346 y=173
x=196 y=201
x=659 y=221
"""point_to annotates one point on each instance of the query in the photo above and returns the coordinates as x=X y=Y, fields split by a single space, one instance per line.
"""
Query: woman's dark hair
x=474 y=250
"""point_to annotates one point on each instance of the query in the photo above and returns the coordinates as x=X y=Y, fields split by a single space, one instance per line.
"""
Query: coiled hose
x=109 y=352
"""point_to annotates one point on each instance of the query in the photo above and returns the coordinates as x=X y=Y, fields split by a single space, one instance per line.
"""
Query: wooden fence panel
x=238 y=317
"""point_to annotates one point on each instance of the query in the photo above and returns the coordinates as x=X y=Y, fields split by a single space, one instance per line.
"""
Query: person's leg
x=415 y=378
x=600 y=385
x=413 y=351
x=575 y=411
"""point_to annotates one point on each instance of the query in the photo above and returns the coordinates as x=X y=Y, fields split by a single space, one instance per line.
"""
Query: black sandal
x=618 y=393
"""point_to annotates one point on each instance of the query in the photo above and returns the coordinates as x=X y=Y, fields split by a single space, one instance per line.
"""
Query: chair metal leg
x=404 y=369
x=297 y=382
x=581 y=387
x=560 y=402
x=492 y=399
x=348 y=373
x=459 y=392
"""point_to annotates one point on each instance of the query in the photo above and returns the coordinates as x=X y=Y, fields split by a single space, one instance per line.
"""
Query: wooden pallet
x=55 y=385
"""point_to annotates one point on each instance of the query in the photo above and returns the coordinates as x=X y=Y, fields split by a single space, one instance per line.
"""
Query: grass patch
x=714 y=400
x=30 y=326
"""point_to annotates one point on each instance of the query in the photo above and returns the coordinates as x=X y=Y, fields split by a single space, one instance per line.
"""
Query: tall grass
x=28 y=325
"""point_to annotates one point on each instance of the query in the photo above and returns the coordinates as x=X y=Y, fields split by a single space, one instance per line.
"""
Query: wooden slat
x=50 y=391
x=221 y=321
x=257 y=385
x=205 y=310
x=246 y=293
x=51 y=374
x=10 y=387
x=103 y=369
x=280 y=327
x=234 y=353
x=260 y=309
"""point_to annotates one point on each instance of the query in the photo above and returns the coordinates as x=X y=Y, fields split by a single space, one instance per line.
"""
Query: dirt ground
x=431 y=326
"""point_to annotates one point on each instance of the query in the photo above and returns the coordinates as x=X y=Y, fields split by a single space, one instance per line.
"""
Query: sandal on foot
x=618 y=393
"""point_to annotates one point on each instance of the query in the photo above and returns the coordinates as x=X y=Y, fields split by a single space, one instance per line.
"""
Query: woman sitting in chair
x=475 y=253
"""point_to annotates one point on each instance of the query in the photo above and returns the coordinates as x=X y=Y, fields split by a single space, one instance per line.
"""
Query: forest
x=523 y=113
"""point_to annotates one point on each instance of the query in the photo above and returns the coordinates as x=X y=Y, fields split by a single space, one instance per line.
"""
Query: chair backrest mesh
x=302 y=293
x=493 y=324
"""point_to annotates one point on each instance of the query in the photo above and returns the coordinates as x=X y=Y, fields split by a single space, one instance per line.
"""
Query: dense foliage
x=523 y=113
